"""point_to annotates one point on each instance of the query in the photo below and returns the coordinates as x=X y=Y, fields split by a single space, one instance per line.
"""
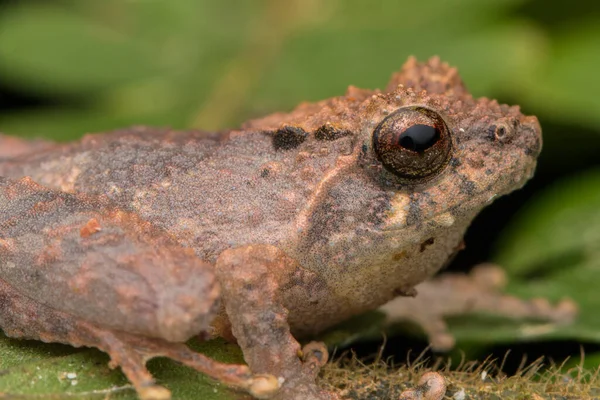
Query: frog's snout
x=531 y=136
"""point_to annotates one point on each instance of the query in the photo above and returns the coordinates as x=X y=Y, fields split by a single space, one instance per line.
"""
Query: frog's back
x=210 y=191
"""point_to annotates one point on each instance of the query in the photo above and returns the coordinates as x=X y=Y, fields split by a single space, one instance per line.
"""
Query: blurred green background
x=68 y=67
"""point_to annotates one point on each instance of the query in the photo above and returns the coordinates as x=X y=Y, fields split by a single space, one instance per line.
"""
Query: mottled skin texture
x=291 y=221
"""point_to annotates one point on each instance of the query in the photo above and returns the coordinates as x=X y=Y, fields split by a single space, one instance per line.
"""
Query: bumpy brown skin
x=293 y=217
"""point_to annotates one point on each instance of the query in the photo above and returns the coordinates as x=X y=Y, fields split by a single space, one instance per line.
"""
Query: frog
x=136 y=240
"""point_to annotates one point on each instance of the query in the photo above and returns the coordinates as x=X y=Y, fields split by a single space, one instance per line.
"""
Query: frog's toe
x=154 y=392
x=432 y=386
x=315 y=352
x=264 y=386
x=314 y=355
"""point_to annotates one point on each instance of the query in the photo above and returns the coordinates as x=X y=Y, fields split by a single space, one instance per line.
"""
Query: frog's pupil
x=419 y=137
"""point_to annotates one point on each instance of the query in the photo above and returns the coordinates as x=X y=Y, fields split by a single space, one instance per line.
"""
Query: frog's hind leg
x=75 y=269
x=454 y=294
x=140 y=349
x=20 y=317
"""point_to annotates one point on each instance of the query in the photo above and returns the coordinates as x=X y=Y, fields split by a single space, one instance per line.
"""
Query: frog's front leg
x=77 y=270
x=257 y=281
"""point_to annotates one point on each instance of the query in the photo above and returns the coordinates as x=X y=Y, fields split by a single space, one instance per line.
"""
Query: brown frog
x=136 y=240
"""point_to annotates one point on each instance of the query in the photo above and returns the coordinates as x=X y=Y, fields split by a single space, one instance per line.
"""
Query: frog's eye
x=413 y=142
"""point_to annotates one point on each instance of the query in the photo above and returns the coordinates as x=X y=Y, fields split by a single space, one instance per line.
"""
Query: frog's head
x=445 y=152
x=407 y=164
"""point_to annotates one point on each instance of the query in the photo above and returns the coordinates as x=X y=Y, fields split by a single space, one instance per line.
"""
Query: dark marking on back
x=289 y=137
x=330 y=132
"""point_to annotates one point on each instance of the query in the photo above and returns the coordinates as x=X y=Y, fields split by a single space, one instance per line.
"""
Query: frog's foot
x=314 y=355
x=478 y=292
x=254 y=281
x=130 y=352
x=432 y=386
x=23 y=318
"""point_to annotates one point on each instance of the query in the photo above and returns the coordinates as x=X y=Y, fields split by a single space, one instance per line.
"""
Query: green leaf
x=127 y=61
x=552 y=250
x=367 y=326
x=558 y=229
x=131 y=60
x=487 y=57
x=56 y=49
x=564 y=83
x=65 y=124
x=585 y=361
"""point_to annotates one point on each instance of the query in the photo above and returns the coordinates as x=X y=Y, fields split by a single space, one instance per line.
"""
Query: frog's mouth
x=422 y=213
x=461 y=193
